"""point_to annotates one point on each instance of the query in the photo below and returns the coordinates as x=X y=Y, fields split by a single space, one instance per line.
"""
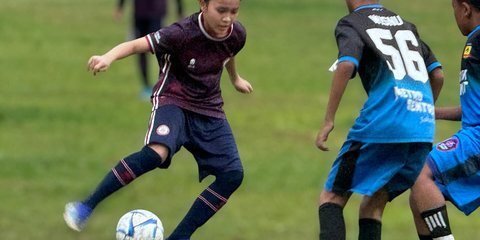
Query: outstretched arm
x=449 y=113
x=339 y=83
x=101 y=63
x=239 y=83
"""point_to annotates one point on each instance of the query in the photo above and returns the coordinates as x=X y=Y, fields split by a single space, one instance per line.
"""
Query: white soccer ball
x=139 y=225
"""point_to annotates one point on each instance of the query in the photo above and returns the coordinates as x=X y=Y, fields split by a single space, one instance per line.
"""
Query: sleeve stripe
x=150 y=44
x=349 y=59
x=434 y=65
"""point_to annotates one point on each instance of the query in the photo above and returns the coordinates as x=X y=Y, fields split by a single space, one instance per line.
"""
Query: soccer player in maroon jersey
x=187 y=110
x=148 y=17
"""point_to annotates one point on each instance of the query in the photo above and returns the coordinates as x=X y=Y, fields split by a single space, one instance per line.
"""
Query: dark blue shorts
x=209 y=139
x=365 y=168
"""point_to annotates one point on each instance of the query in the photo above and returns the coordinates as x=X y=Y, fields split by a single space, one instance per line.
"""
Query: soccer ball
x=139 y=225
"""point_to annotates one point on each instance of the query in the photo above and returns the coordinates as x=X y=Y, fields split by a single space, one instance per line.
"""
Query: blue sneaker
x=76 y=215
x=146 y=93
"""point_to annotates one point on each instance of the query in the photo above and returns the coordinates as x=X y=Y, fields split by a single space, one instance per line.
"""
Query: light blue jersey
x=393 y=64
x=455 y=162
x=470 y=81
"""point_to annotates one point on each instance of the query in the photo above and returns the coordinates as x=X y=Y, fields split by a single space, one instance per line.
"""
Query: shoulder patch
x=448 y=145
x=467 y=51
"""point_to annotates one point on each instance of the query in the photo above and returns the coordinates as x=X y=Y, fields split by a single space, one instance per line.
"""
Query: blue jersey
x=393 y=64
x=470 y=81
x=191 y=64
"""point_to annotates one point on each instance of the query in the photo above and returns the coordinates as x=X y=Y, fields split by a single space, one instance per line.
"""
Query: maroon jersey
x=191 y=64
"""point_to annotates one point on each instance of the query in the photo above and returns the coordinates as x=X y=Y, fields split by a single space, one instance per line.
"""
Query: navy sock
x=207 y=204
x=437 y=222
x=332 y=224
x=369 y=229
x=123 y=173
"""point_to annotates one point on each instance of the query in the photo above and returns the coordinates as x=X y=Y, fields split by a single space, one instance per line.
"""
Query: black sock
x=123 y=173
x=437 y=222
x=207 y=204
x=424 y=237
x=369 y=229
x=332 y=224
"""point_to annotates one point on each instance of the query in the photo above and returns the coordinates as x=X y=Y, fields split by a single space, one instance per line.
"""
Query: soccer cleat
x=76 y=215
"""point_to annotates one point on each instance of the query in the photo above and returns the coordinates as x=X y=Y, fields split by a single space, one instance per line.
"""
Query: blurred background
x=61 y=129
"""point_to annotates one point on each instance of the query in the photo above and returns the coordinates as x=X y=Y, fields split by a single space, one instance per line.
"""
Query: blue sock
x=207 y=204
x=123 y=173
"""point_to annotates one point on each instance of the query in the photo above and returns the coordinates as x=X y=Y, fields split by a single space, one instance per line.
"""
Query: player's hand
x=242 y=85
x=98 y=64
x=322 y=136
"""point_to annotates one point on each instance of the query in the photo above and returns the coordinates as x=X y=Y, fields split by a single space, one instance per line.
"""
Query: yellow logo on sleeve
x=466 y=51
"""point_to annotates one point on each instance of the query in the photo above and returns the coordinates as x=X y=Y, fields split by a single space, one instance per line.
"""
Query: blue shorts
x=455 y=164
x=209 y=139
x=365 y=168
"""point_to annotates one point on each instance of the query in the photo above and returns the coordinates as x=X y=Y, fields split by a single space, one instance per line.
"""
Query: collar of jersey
x=368 y=6
x=200 y=24
x=477 y=28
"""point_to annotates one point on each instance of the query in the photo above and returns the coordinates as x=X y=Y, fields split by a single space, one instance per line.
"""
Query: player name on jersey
x=387 y=20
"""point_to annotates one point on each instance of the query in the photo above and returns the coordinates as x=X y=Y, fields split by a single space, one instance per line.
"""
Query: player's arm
x=238 y=82
x=436 y=82
x=342 y=75
x=101 y=63
x=449 y=113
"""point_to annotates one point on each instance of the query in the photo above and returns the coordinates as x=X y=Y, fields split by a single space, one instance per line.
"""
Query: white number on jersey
x=404 y=60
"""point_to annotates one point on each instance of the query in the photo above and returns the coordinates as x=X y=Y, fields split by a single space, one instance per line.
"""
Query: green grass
x=62 y=129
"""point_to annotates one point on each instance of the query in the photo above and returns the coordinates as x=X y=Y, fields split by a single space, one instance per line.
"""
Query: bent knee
x=231 y=180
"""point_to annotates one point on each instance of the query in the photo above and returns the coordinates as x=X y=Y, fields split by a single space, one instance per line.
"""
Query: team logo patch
x=163 y=130
x=157 y=37
x=466 y=51
x=191 y=64
x=448 y=145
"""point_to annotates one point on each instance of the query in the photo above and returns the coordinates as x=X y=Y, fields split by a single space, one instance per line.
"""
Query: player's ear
x=203 y=5
x=466 y=9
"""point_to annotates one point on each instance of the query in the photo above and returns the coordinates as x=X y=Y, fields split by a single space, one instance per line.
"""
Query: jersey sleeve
x=349 y=42
x=166 y=40
x=241 y=37
x=430 y=60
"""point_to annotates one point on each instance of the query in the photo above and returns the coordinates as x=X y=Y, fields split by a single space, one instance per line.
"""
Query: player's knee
x=161 y=150
x=230 y=181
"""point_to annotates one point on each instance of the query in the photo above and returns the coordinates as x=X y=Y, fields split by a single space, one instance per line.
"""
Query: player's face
x=460 y=12
x=219 y=15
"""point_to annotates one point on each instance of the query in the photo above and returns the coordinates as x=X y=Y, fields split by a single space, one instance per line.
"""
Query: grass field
x=61 y=129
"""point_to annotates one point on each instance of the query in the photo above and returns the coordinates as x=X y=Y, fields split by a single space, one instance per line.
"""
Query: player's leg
x=330 y=214
x=207 y=204
x=214 y=148
x=429 y=208
x=162 y=136
x=125 y=171
x=337 y=191
x=370 y=216
x=142 y=28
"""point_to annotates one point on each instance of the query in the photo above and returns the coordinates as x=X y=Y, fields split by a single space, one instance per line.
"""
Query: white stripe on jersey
x=150 y=128
x=166 y=71
x=150 y=43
